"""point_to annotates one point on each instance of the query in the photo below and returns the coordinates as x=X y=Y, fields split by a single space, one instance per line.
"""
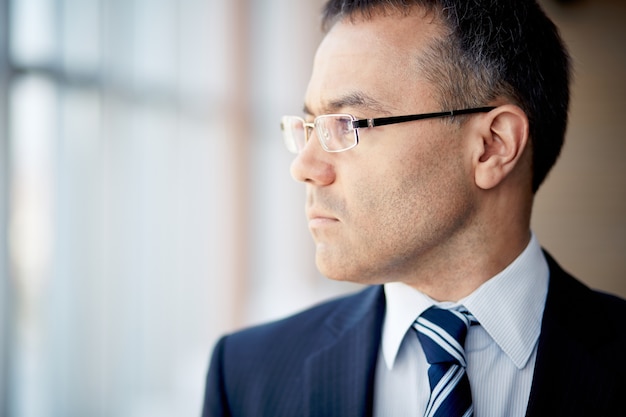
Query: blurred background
x=146 y=205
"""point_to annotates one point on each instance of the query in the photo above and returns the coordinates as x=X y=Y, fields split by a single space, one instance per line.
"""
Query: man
x=433 y=211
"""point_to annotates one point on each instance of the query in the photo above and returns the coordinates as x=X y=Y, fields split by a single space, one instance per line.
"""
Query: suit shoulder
x=611 y=309
x=262 y=370
x=610 y=300
x=575 y=306
x=582 y=333
x=573 y=291
x=309 y=326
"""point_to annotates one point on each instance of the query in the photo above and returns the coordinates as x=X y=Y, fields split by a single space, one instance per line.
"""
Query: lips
x=320 y=218
x=322 y=208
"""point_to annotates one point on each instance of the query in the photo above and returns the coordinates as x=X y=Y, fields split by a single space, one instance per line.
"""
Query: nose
x=313 y=165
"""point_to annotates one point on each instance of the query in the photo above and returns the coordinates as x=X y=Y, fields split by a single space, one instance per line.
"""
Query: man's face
x=402 y=199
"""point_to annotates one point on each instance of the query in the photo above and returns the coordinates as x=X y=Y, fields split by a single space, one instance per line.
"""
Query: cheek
x=384 y=208
x=398 y=206
x=412 y=195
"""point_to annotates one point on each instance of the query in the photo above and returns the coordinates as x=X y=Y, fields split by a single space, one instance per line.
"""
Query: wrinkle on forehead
x=353 y=100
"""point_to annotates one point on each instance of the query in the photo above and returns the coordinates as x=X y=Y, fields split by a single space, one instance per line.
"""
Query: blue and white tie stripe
x=442 y=336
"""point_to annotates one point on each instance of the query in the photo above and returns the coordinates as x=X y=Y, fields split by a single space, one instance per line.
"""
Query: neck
x=456 y=269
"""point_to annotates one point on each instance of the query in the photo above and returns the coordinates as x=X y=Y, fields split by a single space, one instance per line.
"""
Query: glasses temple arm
x=401 y=119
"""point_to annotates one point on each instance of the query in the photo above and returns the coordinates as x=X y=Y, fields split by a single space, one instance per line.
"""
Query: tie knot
x=442 y=335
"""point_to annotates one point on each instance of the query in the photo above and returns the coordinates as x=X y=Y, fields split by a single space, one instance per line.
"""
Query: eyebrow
x=355 y=100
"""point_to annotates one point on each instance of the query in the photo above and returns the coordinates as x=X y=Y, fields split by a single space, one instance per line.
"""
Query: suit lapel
x=339 y=378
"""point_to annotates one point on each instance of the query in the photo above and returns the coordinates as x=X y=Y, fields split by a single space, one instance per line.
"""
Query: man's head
x=419 y=198
x=492 y=48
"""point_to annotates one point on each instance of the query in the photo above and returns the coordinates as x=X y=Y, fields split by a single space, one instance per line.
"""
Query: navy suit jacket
x=321 y=362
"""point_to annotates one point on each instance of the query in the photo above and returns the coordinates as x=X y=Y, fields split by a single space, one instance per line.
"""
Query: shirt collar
x=514 y=321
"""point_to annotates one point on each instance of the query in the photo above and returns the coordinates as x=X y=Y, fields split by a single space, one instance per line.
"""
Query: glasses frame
x=380 y=121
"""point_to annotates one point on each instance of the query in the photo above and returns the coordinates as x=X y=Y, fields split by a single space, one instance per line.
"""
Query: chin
x=333 y=271
x=346 y=273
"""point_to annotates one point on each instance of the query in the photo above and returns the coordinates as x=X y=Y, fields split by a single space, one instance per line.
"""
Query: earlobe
x=504 y=133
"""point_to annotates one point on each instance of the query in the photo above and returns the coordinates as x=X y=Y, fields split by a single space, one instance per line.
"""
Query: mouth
x=319 y=219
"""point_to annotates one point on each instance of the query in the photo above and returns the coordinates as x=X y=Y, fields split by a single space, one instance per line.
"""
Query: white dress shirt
x=500 y=352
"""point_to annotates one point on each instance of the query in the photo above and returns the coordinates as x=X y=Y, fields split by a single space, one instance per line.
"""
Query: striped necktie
x=442 y=335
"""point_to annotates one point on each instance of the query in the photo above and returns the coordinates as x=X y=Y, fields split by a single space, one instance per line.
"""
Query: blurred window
x=123 y=161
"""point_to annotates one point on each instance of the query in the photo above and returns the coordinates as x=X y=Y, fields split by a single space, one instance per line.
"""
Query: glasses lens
x=335 y=132
x=293 y=133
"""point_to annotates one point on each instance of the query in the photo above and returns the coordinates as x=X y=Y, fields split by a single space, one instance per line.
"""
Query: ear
x=504 y=132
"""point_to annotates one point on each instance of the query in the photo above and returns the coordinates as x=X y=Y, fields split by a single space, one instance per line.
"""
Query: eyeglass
x=338 y=132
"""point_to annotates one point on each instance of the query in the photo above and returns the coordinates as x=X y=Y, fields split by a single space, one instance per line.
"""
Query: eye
x=326 y=135
x=343 y=126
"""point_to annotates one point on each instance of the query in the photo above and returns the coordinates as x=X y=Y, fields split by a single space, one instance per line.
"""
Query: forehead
x=371 y=63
